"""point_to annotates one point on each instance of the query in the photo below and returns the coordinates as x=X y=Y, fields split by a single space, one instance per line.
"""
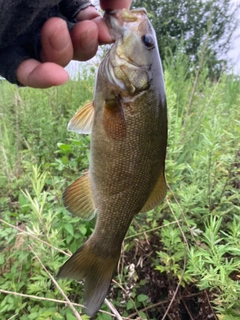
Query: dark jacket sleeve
x=71 y=8
x=10 y=59
x=26 y=44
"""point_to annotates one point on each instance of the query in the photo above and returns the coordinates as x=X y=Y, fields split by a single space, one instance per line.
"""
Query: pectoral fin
x=78 y=200
x=113 y=118
x=157 y=195
x=83 y=119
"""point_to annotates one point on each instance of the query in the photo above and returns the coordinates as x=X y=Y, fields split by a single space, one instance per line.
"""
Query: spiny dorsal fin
x=157 y=195
x=113 y=119
x=82 y=120
x=78 y=200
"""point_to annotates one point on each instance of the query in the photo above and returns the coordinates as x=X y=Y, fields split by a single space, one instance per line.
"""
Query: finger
x=104 y=35
x=87 y=14
x=56 y=42
x=85 y=40
x=115 y=4
x=34 y=74
x=91 y=13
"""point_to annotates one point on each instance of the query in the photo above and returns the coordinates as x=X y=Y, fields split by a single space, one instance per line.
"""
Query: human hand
x=59 y=46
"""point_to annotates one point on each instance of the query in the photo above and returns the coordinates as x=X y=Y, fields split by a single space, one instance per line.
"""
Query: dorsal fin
x=78 y=200
x=157 y=195
x=82 y=120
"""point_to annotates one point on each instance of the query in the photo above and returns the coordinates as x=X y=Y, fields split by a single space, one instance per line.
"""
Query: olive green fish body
x=124 y=170
x=128 y=124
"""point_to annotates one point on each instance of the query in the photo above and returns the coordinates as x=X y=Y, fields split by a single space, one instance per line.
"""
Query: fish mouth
x=128 y=65
x=116 y=20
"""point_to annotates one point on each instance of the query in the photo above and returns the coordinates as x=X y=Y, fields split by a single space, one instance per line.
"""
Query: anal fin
x=157 y=195
x=78 y=200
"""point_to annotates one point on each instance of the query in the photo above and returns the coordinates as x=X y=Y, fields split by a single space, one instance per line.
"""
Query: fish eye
x=148 y=41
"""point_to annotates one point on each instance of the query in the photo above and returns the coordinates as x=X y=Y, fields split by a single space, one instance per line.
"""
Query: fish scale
x=128 y=125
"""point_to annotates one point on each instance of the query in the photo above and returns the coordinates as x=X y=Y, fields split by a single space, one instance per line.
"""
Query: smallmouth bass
x=128 y=125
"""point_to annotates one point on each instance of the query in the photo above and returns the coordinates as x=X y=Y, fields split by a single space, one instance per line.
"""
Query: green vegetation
x=180 y=261
x=198 y=23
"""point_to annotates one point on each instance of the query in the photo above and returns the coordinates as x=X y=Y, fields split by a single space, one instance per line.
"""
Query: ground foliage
x=179 y=261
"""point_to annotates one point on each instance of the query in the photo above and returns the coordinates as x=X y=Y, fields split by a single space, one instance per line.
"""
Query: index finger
x=115 y=4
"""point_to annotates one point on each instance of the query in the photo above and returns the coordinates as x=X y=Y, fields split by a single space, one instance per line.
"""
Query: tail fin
x=97 y=272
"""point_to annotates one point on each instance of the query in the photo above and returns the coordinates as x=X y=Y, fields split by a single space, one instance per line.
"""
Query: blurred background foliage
x=207 y=24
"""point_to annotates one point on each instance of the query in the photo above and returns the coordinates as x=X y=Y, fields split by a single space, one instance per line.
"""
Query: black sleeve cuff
x=71 y=8
x=10 y=59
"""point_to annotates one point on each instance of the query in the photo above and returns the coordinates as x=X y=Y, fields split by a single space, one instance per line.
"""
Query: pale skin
x=59 y=46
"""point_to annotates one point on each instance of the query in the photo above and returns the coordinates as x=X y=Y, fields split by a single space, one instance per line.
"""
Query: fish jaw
x=119 y=20
x=128 y=66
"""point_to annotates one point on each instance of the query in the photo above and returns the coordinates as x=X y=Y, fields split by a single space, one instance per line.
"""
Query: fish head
x=135 y=49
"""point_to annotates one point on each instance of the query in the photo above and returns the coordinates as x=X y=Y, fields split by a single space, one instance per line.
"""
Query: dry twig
x=113 y=309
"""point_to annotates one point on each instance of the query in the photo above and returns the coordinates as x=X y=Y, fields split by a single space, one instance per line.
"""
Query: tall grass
x=190 y=245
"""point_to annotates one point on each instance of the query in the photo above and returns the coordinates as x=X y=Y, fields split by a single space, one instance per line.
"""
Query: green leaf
x=129 y=305
x=83 y=229
x=69 y=228
x=72 y=317
x=64 y=147
x=2 y=260
x=142 y=297
x=142 y=315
